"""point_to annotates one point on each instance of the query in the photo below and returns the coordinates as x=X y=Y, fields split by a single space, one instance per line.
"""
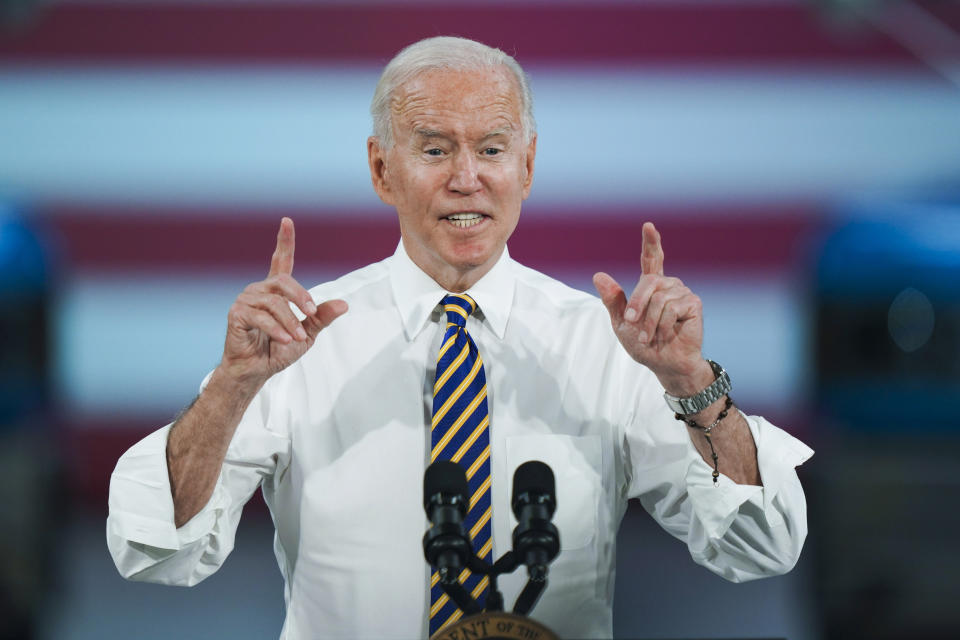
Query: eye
x=434 y=151
x=492 y=151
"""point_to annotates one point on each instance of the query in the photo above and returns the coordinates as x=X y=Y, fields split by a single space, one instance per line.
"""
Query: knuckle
x=287 y=286
x=262 y=301
x=253 y=319
x=279 y=302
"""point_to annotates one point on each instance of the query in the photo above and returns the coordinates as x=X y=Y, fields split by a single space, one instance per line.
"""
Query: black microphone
x=536 y=541
x=446 y=499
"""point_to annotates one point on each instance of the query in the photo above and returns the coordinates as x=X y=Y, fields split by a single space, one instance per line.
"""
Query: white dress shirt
x=339 y=442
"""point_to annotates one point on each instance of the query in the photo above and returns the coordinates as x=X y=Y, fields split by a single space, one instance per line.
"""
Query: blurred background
x=801 y=159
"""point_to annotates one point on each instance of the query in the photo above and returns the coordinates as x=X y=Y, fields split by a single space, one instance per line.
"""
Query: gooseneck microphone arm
x=529 y=596
x=506 y=564
x=458 y=593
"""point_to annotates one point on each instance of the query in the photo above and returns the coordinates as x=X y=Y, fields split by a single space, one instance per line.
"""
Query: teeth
x=464 y=220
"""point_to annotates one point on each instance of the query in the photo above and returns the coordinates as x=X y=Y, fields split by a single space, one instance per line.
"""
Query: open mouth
x=465 y=220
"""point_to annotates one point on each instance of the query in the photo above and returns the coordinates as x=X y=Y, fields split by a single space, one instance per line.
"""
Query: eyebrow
x=433 y=133
x=502 y=131
x=429 y=133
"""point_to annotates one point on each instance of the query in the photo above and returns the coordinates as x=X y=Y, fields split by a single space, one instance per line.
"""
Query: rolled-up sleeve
x=145 y=543
x=744 y=532
x=740 y=532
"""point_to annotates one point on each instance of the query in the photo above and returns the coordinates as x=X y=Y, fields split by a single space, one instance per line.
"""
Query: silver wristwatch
x=700 y=401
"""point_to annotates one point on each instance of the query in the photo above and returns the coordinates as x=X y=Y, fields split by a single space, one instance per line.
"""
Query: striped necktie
x=460 y=432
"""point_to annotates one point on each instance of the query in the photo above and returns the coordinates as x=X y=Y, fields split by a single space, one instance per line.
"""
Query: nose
x=465 y=177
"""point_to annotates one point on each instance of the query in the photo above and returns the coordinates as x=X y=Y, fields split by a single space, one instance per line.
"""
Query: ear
x=377 y=159
x=529 y=162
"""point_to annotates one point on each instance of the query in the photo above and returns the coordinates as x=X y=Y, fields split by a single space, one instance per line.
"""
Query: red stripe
x=305 y=33
x=746 y=238
x=91 y=447
x=90 y=450
x=199 y=240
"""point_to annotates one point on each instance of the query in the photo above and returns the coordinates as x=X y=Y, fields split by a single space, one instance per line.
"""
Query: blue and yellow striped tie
x=460 y=432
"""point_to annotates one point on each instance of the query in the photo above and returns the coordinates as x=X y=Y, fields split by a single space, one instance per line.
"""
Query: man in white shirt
x=333 y=420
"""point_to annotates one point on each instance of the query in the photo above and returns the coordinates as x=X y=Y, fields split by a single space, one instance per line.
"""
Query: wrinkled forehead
x=490 y=94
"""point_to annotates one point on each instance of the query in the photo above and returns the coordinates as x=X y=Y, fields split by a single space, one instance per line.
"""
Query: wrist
x=230 y=382
x=710 y=414
x=688 y=383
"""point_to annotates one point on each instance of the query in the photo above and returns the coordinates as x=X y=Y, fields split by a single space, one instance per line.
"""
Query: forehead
x=444 y=98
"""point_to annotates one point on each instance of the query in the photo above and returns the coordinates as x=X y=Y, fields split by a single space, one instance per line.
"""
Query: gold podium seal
x=495 y=625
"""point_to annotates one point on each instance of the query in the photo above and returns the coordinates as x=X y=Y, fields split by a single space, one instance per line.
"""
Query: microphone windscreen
x=533 y=477
x=444 y=477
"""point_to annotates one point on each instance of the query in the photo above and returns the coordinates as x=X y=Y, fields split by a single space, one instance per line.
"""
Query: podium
x=495 y=625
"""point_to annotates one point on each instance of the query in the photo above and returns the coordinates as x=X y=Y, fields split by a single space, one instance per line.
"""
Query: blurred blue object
x=25 y=271
x=877 y=252
x=887 y=299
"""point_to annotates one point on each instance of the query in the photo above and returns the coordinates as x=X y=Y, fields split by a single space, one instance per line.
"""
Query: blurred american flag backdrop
x=156 y=145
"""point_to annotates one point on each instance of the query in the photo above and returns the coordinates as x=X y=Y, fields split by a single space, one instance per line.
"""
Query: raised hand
x=661 y=325
x=263 y=334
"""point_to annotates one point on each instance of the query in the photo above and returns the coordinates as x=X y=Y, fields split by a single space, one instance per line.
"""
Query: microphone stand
x=536 y=540
x=460 y=596
x=529 y=596
x=525 y=602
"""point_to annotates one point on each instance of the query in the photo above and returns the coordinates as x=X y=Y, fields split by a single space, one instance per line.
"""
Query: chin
x=470 y=259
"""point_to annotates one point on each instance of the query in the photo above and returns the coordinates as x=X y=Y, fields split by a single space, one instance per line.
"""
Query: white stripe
x=142 y=344
x=296 y=137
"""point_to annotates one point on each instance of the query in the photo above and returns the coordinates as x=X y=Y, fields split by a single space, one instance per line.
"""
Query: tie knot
x=458 y=307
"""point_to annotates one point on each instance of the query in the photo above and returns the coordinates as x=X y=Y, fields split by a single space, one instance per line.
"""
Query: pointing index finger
x=651 y=255
x=282 y=260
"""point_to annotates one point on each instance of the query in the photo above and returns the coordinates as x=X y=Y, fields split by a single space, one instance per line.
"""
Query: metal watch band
x=700 y=401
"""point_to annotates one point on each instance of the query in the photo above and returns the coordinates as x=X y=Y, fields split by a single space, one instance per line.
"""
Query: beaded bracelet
x=706 y=434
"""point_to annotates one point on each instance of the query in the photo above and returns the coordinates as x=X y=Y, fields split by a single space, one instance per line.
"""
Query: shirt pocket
x=576 y=462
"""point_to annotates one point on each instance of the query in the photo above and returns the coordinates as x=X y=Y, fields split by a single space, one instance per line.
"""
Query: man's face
x=457 y=172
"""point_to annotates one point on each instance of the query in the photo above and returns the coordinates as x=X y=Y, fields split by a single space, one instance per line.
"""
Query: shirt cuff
x=716 y=506
x=141 y=503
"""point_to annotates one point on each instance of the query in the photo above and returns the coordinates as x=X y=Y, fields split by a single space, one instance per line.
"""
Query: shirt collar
x=416 y=294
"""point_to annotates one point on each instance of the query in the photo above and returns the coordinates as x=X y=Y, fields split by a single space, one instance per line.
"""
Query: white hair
x=444 y=52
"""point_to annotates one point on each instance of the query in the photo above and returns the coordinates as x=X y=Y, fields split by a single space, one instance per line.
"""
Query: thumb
x=326 y=313
x=612 y=295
